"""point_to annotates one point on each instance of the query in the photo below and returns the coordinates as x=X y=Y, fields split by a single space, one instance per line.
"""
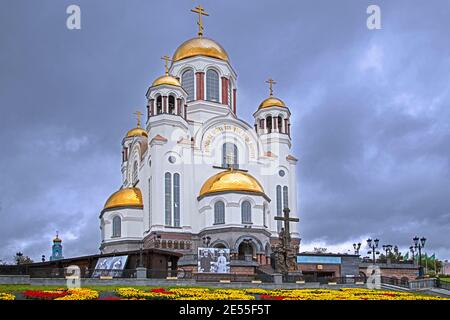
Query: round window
x=172 y=159
x=281 y=173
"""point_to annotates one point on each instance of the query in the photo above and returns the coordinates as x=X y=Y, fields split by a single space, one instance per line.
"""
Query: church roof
x=231 y=180
x=200 y=46
x=138 y=131
x=128 y=197
x=272 y=102
x=166 y=79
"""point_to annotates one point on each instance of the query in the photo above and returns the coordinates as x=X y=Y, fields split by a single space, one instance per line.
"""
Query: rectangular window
x=279 y=208
x=149 y=203
x=168 y=199
x=176 y=199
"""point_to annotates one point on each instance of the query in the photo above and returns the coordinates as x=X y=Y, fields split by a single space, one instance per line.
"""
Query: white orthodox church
x=195 y=174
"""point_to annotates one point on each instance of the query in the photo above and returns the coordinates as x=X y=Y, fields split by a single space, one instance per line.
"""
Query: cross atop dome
x=138 y=116
x=271 y=82
x=201 y=12
x=166 y=59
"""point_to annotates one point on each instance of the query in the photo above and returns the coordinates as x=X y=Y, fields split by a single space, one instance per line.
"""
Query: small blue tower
x=56 y=249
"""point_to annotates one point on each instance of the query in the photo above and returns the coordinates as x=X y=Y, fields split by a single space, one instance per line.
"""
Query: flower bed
x=62 y=294
x=7 y=296
x=186 y=293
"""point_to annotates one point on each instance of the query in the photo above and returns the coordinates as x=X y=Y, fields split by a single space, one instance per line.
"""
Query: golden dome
x=57 y=239
x=272 y=102
x=200 y=47
x=231 y=180
x=138 y=131
x=166 y=80
x=128 y=197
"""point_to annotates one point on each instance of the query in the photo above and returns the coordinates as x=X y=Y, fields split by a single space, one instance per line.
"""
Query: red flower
x=269 y=297
x=161 y=290
x=36 y=294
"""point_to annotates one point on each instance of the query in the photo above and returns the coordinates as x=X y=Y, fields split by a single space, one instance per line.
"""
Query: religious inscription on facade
x=213 y=133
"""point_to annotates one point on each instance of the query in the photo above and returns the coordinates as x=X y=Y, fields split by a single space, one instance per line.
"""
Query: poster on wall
x=110 y=266
x=213 y=260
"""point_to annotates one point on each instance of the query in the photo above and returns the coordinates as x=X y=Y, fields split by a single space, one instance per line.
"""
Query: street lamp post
x=419 y=244
x=413 y=253
x=141 y=247
x=373 y=245
x=206 y=241
x=388 y=250
x=357 y=246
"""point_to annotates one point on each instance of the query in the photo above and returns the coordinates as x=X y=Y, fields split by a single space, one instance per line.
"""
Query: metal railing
x=164 y=274
x=403 y=282
x=442 y=284
x=216 y=277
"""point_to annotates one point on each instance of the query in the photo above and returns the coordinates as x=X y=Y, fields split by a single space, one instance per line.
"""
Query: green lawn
x=446 y=279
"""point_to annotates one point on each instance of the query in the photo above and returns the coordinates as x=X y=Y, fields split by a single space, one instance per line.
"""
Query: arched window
x=285 y=198
x=117 y=226
x=269 y=124
x=176 y=199
x=219 y=212
x=159 y=105
x=280 y=124
x=230 y=95
x=168 y=198
x=187 y=81
x=246 y=212
x=172 y=105
x=264 y=215
x=135 y=173
x=279 y=207
x=212 y=85
x=230 y=155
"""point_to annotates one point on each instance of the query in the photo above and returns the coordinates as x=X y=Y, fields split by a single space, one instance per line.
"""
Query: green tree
x=21 y=259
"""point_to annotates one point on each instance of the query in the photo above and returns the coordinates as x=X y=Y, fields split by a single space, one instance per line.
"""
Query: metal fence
x=442 y=284
x=403 y=282
x=216 y=277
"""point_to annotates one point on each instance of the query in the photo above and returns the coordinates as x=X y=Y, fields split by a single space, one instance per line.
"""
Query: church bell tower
x=56 y=249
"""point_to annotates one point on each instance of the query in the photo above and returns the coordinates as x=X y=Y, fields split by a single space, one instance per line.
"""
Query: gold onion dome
x=231 y=180
x=166 y=79
x=272 y=102
x=128 y=197
x=57 y=239
x=200 y=46
x=138 y=131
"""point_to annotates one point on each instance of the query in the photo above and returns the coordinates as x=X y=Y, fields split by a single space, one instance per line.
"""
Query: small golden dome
x=272 y=102
x=200 y=47
x=138 y=131
x=128 y=197
x=169 y=80
x=57 y=239
x=231 y=180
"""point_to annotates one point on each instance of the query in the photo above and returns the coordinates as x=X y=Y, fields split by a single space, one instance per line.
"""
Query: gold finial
x=138 y=115
x=57 y=234
x=166 y=58
x=271 y=83
x=201 y=12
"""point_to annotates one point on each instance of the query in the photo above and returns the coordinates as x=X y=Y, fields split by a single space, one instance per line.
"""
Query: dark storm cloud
x=370 y=110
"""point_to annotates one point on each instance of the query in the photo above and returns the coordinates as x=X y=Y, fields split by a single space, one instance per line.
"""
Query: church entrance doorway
x=246 y=251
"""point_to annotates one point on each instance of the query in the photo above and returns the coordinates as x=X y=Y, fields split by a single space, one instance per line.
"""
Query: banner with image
x=110 y=266
x=213 y=260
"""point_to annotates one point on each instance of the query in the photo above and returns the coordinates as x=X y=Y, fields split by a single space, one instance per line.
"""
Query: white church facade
x=197 y=175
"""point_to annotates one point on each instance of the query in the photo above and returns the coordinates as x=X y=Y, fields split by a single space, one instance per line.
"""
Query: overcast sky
x=371 y=116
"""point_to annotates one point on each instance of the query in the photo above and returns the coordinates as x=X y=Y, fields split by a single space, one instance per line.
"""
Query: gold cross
x=271 y=83
x=201 y=12
x=138 y=114
x=166 y=58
